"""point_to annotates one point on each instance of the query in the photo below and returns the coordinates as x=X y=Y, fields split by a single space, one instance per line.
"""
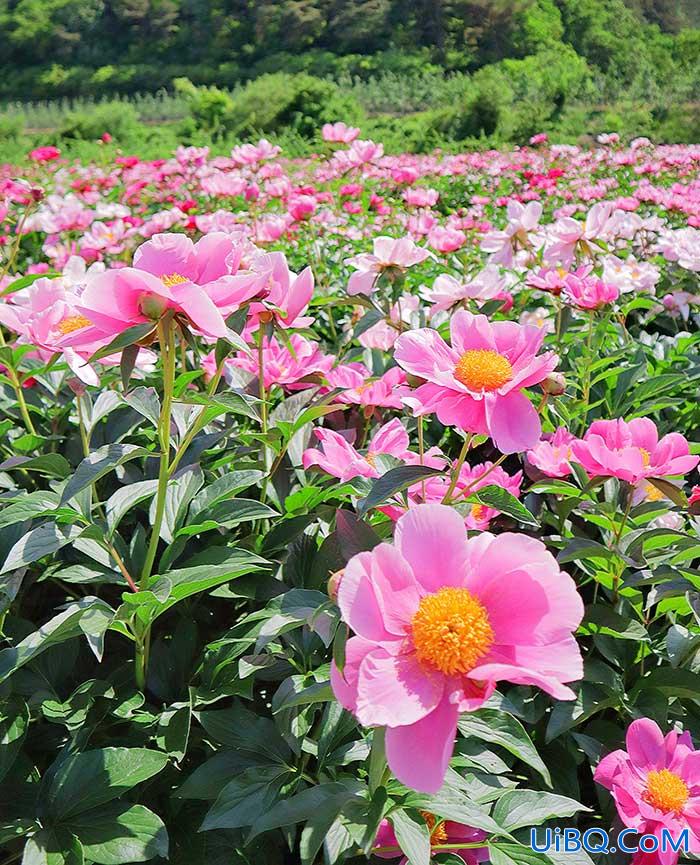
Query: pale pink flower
x=523 y=221
x=383 y=335
x=389 y=254
x=448 y=291
x=339 y=133
x=359 y=388
x=478 y=383
x=446 y=239
x=513 y=611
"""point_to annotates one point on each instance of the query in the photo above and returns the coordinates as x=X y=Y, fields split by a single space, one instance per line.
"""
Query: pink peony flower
x=632 y=451
x=551 y=455
x=288 y=294
x=445 y=832
x=284 y=367
x=211 y=265
x=655 y=784
x=588 y=292
x=438 y=621
x=383 y=335
x=389 y=254
x=369 y=393
x=339 y=133
x=477 y=384
x=340 y=459
x=446 y=239
x=44 y=154
x=540 y=138
x=523 y=221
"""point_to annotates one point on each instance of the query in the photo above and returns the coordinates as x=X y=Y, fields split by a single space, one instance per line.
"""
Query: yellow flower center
x=438 y=833
x=451 y=631
x=478 y=512
x=646 y=457
x=73 y=322
x=652 y=494
x=169 y=280
x=483 y=369
x=371 y=459
x=666 y=791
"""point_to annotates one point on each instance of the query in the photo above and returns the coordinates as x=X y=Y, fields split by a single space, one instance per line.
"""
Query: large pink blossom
x=632 y=451
x=551 y=455
x=477 y=383
x=656 y=786
x=285 y=367
x=438 y=621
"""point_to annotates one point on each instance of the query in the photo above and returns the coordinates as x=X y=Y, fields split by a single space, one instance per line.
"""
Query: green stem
x=457 y=469
x=168 y=349
x=587 y=371
x=261 y=379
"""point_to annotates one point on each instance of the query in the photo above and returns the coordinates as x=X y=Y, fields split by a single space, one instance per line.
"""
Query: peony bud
x=334 y=584
x=554 y=384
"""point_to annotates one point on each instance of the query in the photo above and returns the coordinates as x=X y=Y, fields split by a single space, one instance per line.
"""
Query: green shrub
x=210 y=107
x=11 y=127
x=119 y=119
x=301 y=103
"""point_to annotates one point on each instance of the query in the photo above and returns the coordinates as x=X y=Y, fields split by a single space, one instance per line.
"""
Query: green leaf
x=53 y=847
x=501 y=500
x=671 y=491
x=227 y=514
x=603 y=620
x=62 y=627
x=127 y=364
x=671 y=682
x=98 y=464
x=28 y=507
x=84 y=781
x=145 y=401
x=503 y=853
x=245 y=798
x=125 y=498
x=518 y=808
x=119 y=834
x=579 y=549
x=53 y=465
x=25 y=281
x=134 y=334
x=502 y=729
x=224 y=488
x=14 y=722
x=413 y=835
x=39 y=542
x=393 y=482
x=328 y=797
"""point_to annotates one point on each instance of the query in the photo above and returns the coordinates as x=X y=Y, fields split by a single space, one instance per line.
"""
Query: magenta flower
x=445 y=832
x=632 y=451
x=656 y=785
x=340 y=459
x=589 y=292
x=390 y=254
x=438 y=621
x=477 y=383
x=288 y=294
x=289 y=369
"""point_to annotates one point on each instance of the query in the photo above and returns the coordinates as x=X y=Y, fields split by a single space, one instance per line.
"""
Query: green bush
x=11 y=127
x=210 y=107
x=301 y=103
x=119 y=119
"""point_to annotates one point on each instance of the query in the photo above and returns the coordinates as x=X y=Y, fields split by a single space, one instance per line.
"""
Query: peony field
x=350 y=505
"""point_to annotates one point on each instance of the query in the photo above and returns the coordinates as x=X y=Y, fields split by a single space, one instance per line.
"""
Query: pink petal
x=433 y=540
x=345 y=684
x=513 y=423
x=420 y=753
x=394 y=690
x=645 y=745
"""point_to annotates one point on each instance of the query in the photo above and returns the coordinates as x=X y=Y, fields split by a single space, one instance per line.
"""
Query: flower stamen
x=451 y=631
x=666 y=791
x=483 y=370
